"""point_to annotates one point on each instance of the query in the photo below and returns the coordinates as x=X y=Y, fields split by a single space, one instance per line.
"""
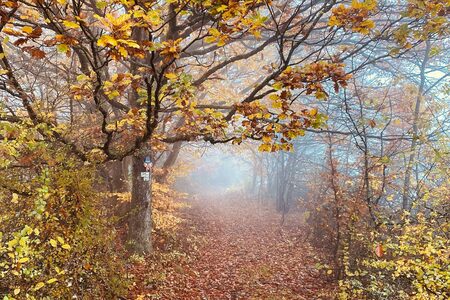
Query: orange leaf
x=379 y=250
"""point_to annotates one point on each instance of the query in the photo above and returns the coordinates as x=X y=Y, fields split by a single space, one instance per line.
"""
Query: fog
x=215 y=171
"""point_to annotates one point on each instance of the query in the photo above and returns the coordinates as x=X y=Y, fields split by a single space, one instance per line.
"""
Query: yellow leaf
x=70 y=24
x=16 y=292
x=221 y=43
x=53 y=243
x=274 y=97
x=52 y=280
x=62 y=2
x=123 y=52
x=171 y=76
x=3 y=72
x=266 y=139
x=130 y=43
x=111 y=127
x=356 y=4
x=39 y=286
x=60 y=239
x=106 y=40
x=66 y=246
x=82 y=77
x=22 y=241
x=257 y=34
x=27 y=29
x=210 y=39
x=222 y=8
x=265 y=148
x=333 y=21
x=277 y=104
x=214 y=32
x=24 y=260
x=15 y=197
x=10 y=4
x=113 y=94
x=313 y=112
x=368 y=24
x=12 y=243
x=329 y=272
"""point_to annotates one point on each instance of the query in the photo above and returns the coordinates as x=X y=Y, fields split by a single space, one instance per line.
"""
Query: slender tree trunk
x=140 y=217
x=407 y=202
x=337 y=209
x=252 y=187
x=169 y=163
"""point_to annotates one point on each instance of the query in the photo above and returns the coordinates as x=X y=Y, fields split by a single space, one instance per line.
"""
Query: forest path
x=243 y=253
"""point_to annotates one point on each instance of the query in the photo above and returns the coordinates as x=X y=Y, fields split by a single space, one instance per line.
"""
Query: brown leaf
x=37 y=31
x=20 y=42
x=34 y=52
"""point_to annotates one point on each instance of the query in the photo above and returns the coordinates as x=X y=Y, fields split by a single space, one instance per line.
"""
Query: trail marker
x=147 y=163
x=145 y=176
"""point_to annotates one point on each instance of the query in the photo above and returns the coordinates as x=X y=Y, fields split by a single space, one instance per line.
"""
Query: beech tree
x=125 y=77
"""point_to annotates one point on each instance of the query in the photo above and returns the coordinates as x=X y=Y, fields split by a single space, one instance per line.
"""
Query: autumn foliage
x=98 y=99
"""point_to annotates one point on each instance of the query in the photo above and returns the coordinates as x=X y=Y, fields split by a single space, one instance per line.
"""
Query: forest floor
x=234 y=250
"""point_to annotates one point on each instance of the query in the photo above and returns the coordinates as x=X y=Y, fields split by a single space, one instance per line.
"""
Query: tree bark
x=140 y=217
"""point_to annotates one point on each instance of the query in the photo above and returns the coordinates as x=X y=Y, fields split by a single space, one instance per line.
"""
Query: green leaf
x=101 y=4
x=277 y=86
x=63 y=48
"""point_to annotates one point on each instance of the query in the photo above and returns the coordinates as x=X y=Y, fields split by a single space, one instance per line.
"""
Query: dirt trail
x=244 y=253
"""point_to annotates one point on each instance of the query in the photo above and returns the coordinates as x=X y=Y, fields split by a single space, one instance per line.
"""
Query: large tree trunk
x=140 y=217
